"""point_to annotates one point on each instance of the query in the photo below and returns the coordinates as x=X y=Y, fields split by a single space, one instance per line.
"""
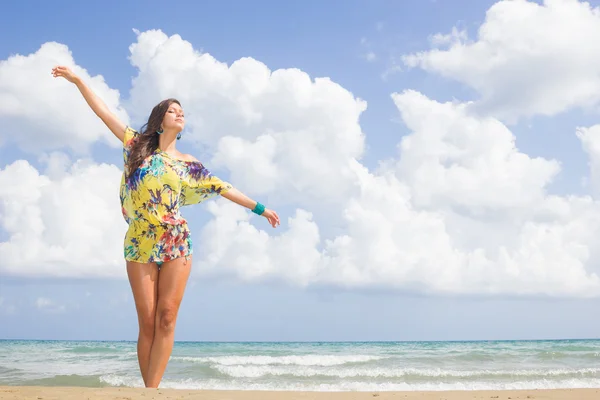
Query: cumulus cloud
x=40 y=113
x=527 y=59
x=454 y=159
x=277 y=132
x=233 y=246
x=460 y=209
x=590 y=140
x=67 y=224
x=481 y=223
x=63 y=221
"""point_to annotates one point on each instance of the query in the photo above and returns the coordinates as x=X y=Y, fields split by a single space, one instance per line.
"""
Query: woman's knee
x=147 y=324
x=167 y=317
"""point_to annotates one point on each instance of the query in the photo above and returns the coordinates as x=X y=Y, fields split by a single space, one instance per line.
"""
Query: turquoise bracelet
x=259 y=209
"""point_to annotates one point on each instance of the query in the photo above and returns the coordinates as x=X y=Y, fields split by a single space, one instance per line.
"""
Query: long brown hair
x=147 y=141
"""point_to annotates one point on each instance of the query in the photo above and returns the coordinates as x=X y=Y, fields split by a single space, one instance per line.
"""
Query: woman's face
x=174 y=118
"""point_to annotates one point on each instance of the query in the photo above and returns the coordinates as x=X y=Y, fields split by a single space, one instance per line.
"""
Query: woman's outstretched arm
x=116 y=126
x=239 y=198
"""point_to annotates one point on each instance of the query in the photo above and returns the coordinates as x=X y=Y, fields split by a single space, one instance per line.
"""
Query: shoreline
x=125 y=393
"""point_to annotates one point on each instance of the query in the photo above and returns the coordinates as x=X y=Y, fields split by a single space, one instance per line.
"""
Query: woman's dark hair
x=147 y=141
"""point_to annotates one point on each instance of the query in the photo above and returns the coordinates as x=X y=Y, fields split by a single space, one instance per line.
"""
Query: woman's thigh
x=172 y=280
x=143 y=279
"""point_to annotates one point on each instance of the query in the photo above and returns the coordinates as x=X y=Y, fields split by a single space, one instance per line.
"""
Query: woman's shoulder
x=188 y=157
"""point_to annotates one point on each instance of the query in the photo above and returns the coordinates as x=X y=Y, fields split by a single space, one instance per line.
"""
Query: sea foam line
x=306 y=360
x=254 y=371
x=215 y=384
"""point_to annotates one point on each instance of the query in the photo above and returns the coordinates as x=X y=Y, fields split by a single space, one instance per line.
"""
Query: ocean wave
x=129 y=381
x=554 y=355
x=91 y=349
x=214 y=384
x=306 y=360
x=310 y=367
x=239 y=371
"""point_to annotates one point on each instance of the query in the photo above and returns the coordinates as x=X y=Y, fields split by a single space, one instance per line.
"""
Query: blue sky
x=332 y=39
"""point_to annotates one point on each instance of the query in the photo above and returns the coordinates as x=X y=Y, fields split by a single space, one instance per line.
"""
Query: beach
x=73 y=393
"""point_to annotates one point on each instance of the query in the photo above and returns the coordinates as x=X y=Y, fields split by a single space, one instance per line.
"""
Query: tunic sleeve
x=128 y=139
x=201 y=185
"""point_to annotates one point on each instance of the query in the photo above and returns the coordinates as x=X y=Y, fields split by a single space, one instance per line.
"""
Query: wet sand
x=77 y=393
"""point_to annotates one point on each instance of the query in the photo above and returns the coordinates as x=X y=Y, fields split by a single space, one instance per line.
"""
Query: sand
x=76 y=393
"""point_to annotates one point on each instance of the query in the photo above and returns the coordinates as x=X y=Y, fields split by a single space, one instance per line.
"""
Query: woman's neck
x=166 y=142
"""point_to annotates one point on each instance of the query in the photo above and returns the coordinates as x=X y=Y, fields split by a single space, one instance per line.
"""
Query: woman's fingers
x=273 y=218
x=60 y=70
x=64 y=72
x=56 y=71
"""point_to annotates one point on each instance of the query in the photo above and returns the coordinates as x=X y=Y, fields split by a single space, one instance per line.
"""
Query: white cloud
x=390 y=244
x=63 y=221
x=270 y=129
x=48 y=305
x=39 y=113
x=590 y=140
x=367 y=53
x=527 y=59
x=68 y=225
x=454 y=159
x=456 y=36
x=232 y=245
x=460 y=209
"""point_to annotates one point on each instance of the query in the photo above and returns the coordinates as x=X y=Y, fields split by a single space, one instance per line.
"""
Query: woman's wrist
x=259 y=209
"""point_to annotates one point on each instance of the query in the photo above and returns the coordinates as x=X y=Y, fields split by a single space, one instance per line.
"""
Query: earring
x=159 y=131
x=179 y=136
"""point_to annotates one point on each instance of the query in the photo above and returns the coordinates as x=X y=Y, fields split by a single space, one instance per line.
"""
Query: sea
x=318 y=366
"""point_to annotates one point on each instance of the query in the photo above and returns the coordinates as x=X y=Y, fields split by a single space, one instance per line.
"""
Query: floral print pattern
x=151 y=199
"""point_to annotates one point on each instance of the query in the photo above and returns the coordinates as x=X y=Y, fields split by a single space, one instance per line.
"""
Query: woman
x=157 y=180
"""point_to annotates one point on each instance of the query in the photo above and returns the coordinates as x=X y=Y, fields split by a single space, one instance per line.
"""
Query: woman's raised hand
x=65 y=72
x=96 y=104
x=272 y=217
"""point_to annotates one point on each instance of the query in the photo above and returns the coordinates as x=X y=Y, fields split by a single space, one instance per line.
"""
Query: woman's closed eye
x=173 y=111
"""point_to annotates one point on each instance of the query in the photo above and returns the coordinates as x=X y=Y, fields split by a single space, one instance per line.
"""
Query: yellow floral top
x=151 y=198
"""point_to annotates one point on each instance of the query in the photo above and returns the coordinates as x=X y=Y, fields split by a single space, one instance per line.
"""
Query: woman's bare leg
x=143 y=279
x=172 y=280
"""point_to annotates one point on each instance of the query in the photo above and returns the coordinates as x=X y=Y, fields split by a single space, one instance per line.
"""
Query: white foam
x=296 y=368
x=257 y=371
x=122 y=380
x=316 y=360
x=214 y=384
